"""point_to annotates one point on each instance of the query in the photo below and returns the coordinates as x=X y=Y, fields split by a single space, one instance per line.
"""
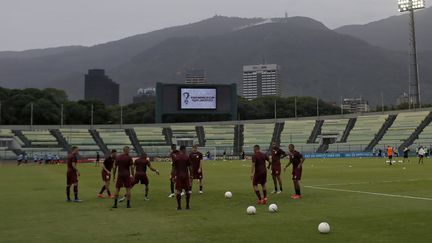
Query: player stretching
x=107 y=166
x=141 y=165
x=277 y=155
x=196 y=158
x=181 y=168
x=72 y=174
x=259 y=173
x=296 y=159
x=173 y=154
x=125 y=175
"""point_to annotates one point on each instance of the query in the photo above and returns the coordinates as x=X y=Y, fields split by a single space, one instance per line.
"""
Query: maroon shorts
x=390 y=156
x=124 y=181
x=105 y=176
x=182 y=183
x=259 y=179
x=197 y=175
x=143 y=179
x=296 y=174
x=71 y=178
x=276 y=170
x=172 y=175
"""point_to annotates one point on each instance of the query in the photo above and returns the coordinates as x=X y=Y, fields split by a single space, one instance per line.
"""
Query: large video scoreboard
x=178 y=99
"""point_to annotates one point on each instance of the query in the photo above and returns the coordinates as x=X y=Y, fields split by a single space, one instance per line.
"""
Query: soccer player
x=173 y=154
x=259 y=173
x=181 y=168
x=19 y=159
x=72 y=174
x=107 y=166
x=124 y=164
x=296 y=159
x=277 y=155
x=141 y=165
x=406 y=152
x=421 y=154
x=97 y=159
x=196 y=159
x=390 y=154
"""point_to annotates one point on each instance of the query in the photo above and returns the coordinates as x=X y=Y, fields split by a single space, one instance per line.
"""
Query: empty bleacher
x=404 y=125
x=260 y=134
x=81 y=138
x=335 y=127
x=184 y=131
x=361 y=135
x=42 y=143
x=425 y=137
x=152 y=140
x=116 y=138
x=220 y=137
x=298 y=132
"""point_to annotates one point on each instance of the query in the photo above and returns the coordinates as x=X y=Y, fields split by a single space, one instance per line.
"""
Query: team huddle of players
x=185 y=168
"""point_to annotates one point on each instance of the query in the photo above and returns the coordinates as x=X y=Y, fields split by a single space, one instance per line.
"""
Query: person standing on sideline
x=72 y=174
x=421 y=154
x=405 y=155
x=97 y=159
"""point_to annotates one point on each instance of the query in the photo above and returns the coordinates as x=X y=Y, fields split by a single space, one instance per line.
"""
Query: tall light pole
x=410 y=6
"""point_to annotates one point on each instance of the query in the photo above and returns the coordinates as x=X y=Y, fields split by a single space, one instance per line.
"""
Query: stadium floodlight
x=414 y=85
x=408 y=5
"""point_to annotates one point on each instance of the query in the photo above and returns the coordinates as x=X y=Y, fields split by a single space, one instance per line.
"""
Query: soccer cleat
x=115 y=206
x=273 y=192
x=264 y=201
x=187 y=207
x=100 y=196
x=77 y=200
x=68 y=200
x=259 y=202
x=295 y=196
x=179 y=208
x=279 y=192
x=128 y=206
x=201 y=192
x=171 y=195
x=111 y=196
x=146 y=199
x=182 y=194
x=122 y=199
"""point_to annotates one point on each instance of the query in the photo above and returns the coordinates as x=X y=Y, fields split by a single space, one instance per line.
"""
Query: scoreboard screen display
x=198 y=99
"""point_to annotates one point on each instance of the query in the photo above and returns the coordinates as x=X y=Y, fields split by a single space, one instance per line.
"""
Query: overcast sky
x=27 y=24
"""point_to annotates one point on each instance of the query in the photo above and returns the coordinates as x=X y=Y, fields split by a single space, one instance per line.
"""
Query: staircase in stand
x=417 y=132
x=60 y=139
x=201 y=135
x=349 y=127
x=387 y=124
x=316 y=131
x=23 y=138
x=134 y=140
x=99 y=141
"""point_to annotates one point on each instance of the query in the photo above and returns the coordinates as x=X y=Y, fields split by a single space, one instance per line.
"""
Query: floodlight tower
x=411 y=6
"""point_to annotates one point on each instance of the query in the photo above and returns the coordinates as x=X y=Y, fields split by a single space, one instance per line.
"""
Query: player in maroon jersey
x=196 y=158
x=107 y=166
x=173 y=153
x=141 y=165
x=259 y=173
x=72 y=174
x=296 y=159
x=182 y=170
x=124 y=164
x=277 y=155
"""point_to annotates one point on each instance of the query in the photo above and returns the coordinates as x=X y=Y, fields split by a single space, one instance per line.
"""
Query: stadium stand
x=298 y=133
x=361 y=135
x=152 y=140
x=260 y=134
x=81 y=138
x=220 y=137
x=43 y=143
x=404 y=125
x=184 y=132
x=116 y=138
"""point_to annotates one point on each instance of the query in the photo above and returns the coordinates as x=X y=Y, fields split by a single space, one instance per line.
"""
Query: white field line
x=370 y=193
x=369 y=182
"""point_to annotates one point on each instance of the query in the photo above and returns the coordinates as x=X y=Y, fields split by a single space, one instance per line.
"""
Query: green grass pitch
x=364 y=200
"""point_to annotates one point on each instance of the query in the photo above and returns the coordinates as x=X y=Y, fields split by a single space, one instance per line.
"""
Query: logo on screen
x=186 y=96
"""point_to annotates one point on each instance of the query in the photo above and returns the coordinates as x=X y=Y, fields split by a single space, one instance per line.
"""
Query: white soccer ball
x=251 y=210
x=324 y=228
x=273 y=208
x=228 y=195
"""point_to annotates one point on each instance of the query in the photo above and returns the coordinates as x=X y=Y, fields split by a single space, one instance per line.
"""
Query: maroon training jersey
x=195 y=159
x=260 y=158
x=277 y=154
x=141 y=166
x=295 y=158
x=181 y=165
x=174 y=154
x=123 y=163
x=72 y=158
x=109 y=163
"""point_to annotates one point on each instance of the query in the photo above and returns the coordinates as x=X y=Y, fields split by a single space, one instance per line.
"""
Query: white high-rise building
x=261 y=80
